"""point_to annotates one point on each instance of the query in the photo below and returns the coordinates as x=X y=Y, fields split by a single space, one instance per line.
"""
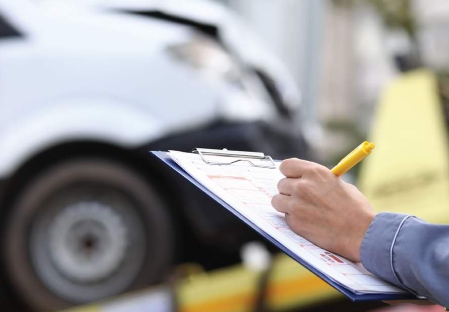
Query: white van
x=86 y=91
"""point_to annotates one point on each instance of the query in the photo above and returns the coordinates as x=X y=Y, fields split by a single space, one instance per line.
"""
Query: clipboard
x=255 y=161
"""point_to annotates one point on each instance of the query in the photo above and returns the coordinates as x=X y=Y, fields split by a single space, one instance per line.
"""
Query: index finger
x=294 y=167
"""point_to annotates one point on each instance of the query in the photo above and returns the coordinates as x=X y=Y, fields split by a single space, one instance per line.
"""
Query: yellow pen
x=353 y=158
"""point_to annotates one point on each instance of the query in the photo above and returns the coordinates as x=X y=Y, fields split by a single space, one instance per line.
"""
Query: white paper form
x=249 y=191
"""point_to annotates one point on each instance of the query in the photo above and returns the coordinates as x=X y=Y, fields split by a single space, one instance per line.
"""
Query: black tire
x=85 y=230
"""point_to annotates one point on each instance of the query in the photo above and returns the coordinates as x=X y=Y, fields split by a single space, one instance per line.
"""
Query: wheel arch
x=67 y=151
x=115 y=122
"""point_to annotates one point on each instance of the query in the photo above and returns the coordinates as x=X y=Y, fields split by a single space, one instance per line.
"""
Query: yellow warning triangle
x=408 y=171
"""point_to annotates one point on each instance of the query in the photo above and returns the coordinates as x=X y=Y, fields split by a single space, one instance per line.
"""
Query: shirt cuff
x=376 y=251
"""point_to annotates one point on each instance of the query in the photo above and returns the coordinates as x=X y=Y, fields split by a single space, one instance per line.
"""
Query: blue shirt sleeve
x=410 y=254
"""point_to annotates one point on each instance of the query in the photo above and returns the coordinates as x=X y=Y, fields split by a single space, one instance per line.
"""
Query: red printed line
x=334 y=257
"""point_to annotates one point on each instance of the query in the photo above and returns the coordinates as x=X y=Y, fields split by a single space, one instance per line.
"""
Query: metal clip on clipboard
x=250 y=157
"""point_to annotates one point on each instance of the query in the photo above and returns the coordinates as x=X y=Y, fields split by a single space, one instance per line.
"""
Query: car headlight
x=243 y=96
x=207 y=57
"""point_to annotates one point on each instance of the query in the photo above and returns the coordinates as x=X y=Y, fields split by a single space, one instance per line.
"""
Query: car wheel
x=86 y=230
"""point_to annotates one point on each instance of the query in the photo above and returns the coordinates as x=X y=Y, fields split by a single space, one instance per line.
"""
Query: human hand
x=322 y=208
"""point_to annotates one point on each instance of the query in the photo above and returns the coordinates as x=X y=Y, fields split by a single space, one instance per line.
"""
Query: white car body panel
x=74 y=121
x=57 y=85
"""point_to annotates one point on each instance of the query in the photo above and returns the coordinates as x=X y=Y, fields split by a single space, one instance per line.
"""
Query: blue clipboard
x=347 y=292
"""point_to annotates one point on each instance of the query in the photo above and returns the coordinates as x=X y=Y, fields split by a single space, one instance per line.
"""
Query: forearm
x=409 y=253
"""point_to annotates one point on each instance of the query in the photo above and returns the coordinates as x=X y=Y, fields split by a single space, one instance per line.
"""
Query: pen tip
x=370 y=147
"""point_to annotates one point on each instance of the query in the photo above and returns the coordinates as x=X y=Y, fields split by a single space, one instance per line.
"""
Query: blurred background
x=92 y=222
